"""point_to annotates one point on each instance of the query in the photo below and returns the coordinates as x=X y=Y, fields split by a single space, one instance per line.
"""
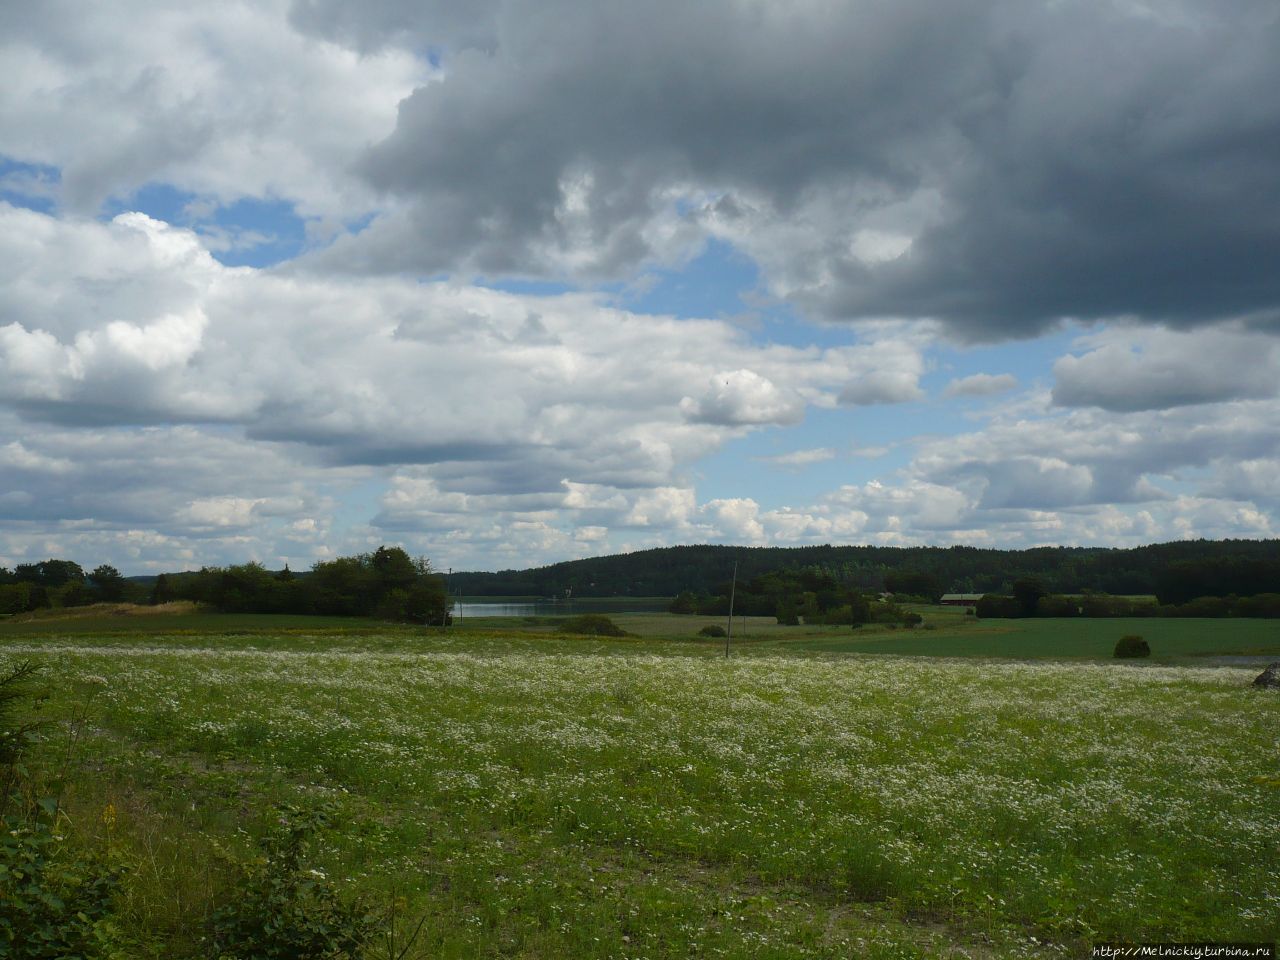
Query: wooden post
x=733 y=588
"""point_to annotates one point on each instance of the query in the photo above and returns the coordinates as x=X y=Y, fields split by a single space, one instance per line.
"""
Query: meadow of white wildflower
x=546 y=804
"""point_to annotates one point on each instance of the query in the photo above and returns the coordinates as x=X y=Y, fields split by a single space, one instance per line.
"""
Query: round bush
x=711 y=631
x=1131 y=645
x=593 y=625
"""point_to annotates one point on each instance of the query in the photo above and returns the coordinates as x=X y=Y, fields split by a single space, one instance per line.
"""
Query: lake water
x=558 y=608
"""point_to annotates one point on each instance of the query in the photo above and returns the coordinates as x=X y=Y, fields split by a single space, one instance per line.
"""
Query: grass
x=539 y=796
x=949 y=632
x=119 y=620
x=1073 y=638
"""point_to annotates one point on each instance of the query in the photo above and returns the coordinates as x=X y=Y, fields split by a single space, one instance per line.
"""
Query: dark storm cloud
x=373 y=24
x=1026 y=162
x=1154 y=369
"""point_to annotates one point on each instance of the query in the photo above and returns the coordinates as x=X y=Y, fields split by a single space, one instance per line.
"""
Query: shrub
x=888 y=612
x=788 y=613
x=54 y=897
x=592 y=625
x=1056 y=605
x=711 y=630
x=1131 y=645
x=14 y=734
x=285 y=910
x=993 y=605
x=1261 y=605
x=685 y=602
x=1203 y=607
x=912 y=619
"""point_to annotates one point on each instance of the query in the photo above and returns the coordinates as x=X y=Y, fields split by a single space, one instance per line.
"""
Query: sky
x=508 y=283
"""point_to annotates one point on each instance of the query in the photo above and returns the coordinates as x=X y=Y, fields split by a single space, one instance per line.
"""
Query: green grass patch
x=1072 y=638
x=946 y=632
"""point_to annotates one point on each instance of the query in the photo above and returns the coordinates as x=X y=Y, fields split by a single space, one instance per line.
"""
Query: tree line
x=810 y=594
x=817 y=597
x=387 y=584
x=1174 y=572
x=1030 y=598
x=1187 y=578
x=60 y=583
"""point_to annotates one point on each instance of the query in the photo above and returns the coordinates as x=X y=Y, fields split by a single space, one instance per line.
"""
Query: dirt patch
x=176 y=608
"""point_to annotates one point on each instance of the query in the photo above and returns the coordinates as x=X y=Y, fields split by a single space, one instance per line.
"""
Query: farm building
x=960 y=599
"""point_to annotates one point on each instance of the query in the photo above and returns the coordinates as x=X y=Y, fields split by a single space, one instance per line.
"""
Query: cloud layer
x=997 y=165
x=907 y=183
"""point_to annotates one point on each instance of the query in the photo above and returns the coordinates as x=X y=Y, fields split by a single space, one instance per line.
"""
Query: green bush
x=711 y=630
x=54 y=897
x=788 y=613
x=993 y=605
x=285 y=910
x=1131 y=645
x=592 y=625
x=1056 y=605
x=685 y=602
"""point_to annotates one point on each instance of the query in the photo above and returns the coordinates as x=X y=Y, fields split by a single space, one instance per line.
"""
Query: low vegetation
x=591 y=625
x=554 y=796
x=1131 y=646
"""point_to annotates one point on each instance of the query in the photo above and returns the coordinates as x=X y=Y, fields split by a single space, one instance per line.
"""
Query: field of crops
x=551 y=797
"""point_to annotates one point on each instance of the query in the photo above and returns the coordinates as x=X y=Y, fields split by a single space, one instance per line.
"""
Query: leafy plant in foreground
x=54 y=897
x=285 y=910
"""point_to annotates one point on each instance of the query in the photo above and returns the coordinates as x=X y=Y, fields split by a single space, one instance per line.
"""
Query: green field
x=948 y=632
x=529 y=795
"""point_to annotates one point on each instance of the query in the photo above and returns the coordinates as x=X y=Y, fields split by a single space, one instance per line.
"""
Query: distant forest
x=1188 y=578
x=387 y=584
x=1174 y=572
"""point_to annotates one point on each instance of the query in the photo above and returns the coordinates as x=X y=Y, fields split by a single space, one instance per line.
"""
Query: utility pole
x=733 y=588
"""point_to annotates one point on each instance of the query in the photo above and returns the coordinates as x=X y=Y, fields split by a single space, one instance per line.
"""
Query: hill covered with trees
x=390 y=585
x=1175 y=572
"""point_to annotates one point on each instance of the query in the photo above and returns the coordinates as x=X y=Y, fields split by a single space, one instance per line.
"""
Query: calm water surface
x=557 y=608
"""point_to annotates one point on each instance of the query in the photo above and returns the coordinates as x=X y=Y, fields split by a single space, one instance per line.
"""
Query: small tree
x=161 y=590
x=685 y=602
x=1028 y=591
x=108 y=582
x=427 y=601
x=859 y=608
